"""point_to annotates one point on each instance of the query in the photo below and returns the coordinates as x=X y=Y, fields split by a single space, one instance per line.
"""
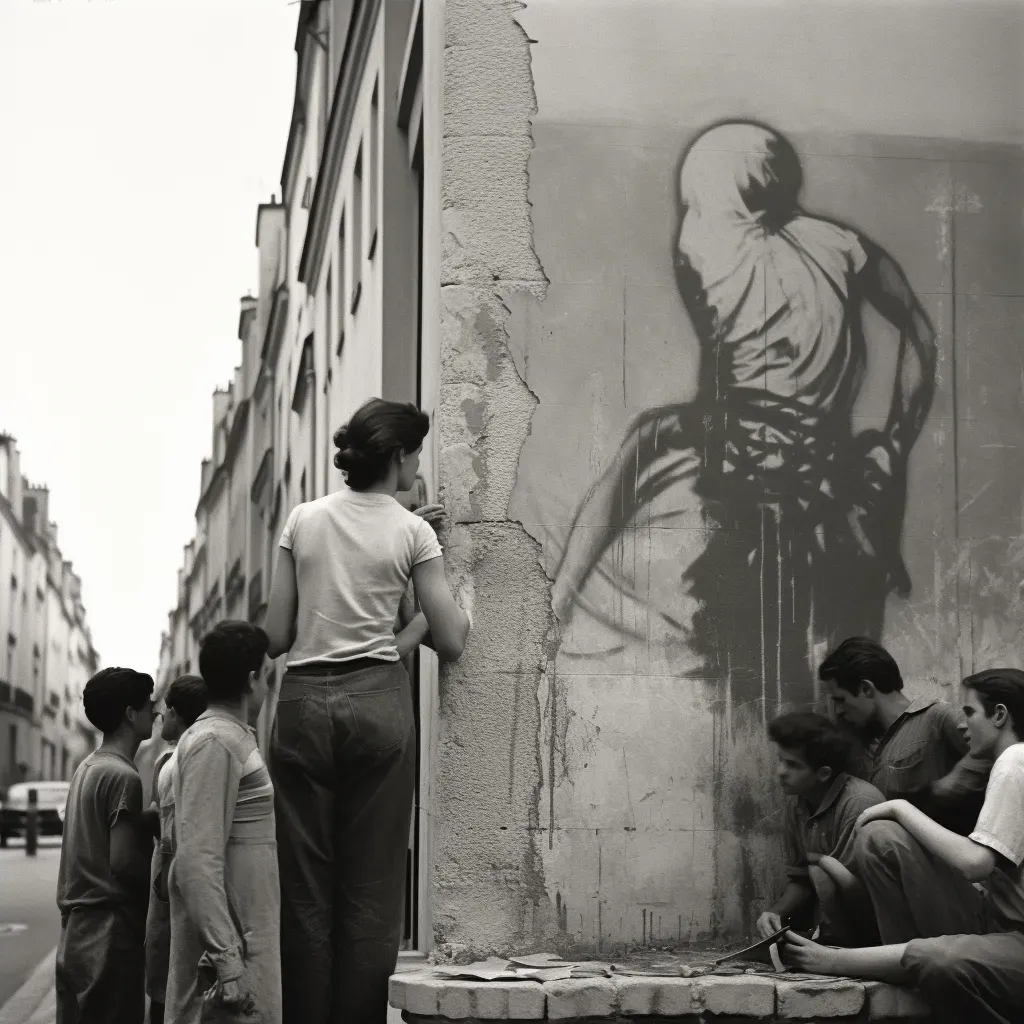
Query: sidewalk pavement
x=36 y=1001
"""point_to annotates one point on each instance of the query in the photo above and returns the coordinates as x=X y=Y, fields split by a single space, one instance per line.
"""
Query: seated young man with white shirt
x=976 y=974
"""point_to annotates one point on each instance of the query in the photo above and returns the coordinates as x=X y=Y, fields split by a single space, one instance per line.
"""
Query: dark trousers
x=343 y=758
x=960 y=957
x=101 y=967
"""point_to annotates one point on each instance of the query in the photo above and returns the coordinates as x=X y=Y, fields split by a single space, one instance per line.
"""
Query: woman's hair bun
x=350 y=458
x=376 y=433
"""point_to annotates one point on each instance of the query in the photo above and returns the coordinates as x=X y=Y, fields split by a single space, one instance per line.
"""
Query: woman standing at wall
x=343 y=753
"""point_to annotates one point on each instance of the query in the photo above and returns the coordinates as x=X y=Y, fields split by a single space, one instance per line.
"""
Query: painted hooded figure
x=742 y=530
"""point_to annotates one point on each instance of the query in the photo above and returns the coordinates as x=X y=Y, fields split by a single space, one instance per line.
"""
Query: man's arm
x=956 y=799
x=845 y=826
x=798 y=888
x=128 y=863
x=974 y=861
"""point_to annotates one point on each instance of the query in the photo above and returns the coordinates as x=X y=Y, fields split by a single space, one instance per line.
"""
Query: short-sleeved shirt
x=920 y=747
x=1001 y=828
x=105 y=787
x=827 y=830
x=354 y=553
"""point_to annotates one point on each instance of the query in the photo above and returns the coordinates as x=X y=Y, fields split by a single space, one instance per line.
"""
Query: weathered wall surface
x=488 y=887
x=604 y=774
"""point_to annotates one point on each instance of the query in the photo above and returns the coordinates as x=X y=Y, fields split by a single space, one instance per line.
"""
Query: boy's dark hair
x=187 y=696
x=821 y=743
x=227 y=654
x=368 y=442
x=111 y=692
x=1001 y=686
x=858 y=658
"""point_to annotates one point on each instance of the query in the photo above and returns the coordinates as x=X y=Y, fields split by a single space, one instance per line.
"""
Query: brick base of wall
x=428 y=998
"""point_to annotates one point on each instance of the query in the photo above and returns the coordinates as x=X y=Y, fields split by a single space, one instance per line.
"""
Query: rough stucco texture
x=488 y=890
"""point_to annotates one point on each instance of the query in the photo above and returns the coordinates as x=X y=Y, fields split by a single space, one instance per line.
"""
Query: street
x=29 y=922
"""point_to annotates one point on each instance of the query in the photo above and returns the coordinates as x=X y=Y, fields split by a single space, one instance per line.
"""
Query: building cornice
x=412 y=67
x=237 y=429
x=262 y=477
x=19 y=531
x=275 y=326
x=211 y=488
x=353 y=63
x=297 y=128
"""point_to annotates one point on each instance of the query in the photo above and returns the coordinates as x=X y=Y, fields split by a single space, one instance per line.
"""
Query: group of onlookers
x=904 y=834
x=238 y=892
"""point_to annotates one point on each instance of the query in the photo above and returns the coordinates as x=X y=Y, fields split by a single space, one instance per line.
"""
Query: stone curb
x=753 y=996
x=24 y=1003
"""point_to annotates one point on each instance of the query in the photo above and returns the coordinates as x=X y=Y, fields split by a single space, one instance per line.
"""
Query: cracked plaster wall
x=488 y=888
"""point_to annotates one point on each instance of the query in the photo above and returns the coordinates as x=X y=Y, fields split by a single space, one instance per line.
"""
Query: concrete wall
x=603 y=773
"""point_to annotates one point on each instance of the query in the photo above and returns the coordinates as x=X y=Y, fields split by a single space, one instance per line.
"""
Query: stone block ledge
x=424 y=996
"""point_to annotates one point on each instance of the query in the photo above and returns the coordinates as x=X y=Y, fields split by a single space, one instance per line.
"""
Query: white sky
x=138 y=137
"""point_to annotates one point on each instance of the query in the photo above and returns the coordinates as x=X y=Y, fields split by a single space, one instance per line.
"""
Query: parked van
x=52 y=800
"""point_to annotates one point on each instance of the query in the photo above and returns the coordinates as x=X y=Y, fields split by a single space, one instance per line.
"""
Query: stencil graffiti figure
x=762 y=523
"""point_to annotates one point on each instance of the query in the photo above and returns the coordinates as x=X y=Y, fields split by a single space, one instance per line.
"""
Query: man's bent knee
x=879 y=838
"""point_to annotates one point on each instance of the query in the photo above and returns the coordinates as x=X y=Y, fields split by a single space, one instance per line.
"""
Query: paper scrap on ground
x=491 y=969
x=765 y=951
x=540 y=960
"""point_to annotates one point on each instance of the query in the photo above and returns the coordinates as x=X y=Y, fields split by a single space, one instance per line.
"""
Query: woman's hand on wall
x=433 y=514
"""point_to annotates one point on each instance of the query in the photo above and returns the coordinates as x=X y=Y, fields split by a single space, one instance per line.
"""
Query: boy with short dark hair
x=823 y=805
x=104 y=862
x=184 y=703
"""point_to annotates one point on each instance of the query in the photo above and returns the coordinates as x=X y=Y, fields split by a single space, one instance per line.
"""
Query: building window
x=357 y=229
x=373 y=170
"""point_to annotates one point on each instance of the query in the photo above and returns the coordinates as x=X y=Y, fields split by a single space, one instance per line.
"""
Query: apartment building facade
x=48 y=654
x=337 y=319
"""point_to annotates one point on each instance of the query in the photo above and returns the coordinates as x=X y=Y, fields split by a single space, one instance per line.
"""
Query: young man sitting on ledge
x=822 y=808
x=962 y=946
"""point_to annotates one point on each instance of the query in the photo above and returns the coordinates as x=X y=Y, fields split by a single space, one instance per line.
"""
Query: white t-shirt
x=354 y=554
x=1000 y=827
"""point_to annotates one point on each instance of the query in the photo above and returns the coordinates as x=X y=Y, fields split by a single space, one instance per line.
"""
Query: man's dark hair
x=1001 y=686
x=858 y=658
x=820 y=742
x=187 y=696
x=370 y=440
x=111 y=692
x=227 y=654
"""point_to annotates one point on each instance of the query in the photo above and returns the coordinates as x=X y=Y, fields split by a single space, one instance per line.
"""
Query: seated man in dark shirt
x=822 y=806
x=913 y=750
